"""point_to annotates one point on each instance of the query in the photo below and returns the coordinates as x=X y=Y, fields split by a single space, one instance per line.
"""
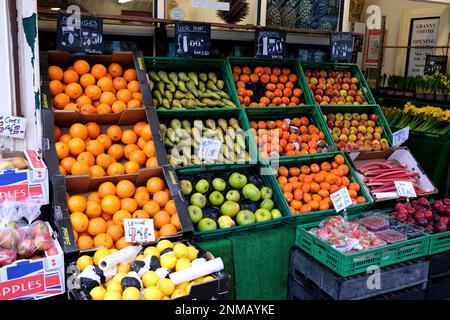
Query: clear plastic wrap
x=391 y=236
x=375 y=222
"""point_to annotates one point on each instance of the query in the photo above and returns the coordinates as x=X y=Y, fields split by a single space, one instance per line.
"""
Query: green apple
x=251 y=192
x=186 y=187
x=207 y=224
x=202 y=186
x=233 y=195
x=245 y=217
x=230 y=208
x=198 y=200
x=216 y=198
x=219 y=184
x=276 y=214
x=237 y=180
x=266 y=193
x=267 y=204
x=263 y=215
x=196 y=214
x=226 y=222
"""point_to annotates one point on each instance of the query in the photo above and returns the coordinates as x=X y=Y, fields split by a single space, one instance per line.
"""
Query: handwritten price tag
x=13 y=126
x=341 y=199
x=405 y=189
x=209 y=149
x=139 y=230
x=400 y=136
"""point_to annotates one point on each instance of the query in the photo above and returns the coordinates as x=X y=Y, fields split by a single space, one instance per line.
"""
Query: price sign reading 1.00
x=193 y=39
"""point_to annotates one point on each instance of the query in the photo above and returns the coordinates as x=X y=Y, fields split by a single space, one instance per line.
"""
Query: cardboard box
x=34 y=279
x=25 y=185
x=401 y=155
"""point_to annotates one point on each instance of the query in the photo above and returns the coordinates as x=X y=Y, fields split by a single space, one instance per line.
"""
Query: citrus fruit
x=150 y=279
x=110 y=204
x=182 y=264
x=151 y=251
x=98 y=293
x=99 y=254
x=168 y=261
x=192 y=253
x=153 y=293
x=180 y=250
x=166 y=286
x=131 y=293
x=85 y=242
x=112 y=295
x=84 y=261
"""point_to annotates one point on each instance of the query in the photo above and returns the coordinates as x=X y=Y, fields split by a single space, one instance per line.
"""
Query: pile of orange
x=267 y=86
x=85 y=149
x=308 y=188
x=97 y=219
x=97 y=89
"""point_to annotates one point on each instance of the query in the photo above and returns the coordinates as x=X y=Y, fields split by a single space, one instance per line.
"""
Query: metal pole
x=380 y=52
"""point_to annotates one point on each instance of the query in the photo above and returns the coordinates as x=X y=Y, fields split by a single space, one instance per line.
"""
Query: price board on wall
x=435 y=63
x=193 y=39
x=341 y=45
x=270 y=43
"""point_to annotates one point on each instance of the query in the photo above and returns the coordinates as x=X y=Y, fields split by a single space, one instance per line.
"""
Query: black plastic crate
x=393 y=278
x=439 y=289
x=439 y=265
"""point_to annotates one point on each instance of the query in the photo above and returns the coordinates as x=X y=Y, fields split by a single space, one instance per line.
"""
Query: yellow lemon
x=166 y=286
x=192 y=253
x=151 y=251
x=153 y=293
x=165 y=298
x=164 y=244
x=123 y=268
x=208 y=278
x=182 y=263
x=119 y=276
x=178 y=293
x=182 y=286
x=168 y=261
x=98 y=293
x=180 y=250
x=111 y=251
x=189 y=286
x=100 y=253
x=84 y=261
x=114 y=285
x=150 y=279
x=112 y=295
x=140 y=257
x=131 y=293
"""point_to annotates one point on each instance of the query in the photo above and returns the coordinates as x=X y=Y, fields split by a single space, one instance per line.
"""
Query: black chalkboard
x=193 y=39
x=88 y=38
x=435 y=63
x=341 y=45
x=270 y=43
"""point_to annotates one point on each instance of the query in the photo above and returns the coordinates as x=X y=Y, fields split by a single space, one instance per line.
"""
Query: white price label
x=139 y=230
x=341 y=199
x=405 y=189
x=208 y=4
x=209 y=149
x=400 y=136
x=13 y=126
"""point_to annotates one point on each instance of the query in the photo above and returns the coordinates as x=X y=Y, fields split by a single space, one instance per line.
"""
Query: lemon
x=100 y=253
x=192 y=253
x=165 y=298
x=98 y=293
x=84 y=261
x=166 y=286
x=208 y=278
x=114 y=285
x=178 y=293
x=164 y=244
x=182 y=263
x=112 y=295
x=111 y=251
x=198 y=280
x=150 y=279
x=119 y=276
x=140 y=257
x=182 y=286
x=189 y=286
x=153 y=293
x=131 y=293
x=180 y=250
x=151 y=251
x=168 y=261
x=123 y=268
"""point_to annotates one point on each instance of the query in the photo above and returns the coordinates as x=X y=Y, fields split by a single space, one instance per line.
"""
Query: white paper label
x=209 y=4
x=139 y=230
x=13 y=126
x=400 y=136
x=405 y=189
x=209 y=149
x=341 y=199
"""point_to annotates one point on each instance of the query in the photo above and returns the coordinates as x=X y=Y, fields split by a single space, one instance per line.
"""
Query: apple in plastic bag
x=43 y=242
x=26 y=248
x=39 y=227
x=7 y=256
x=24 y=233
x=8 y=238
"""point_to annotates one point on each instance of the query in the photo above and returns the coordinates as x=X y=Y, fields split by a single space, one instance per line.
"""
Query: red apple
x=345 y=87
x=43 y=242
x=318 y=98
x=26 y=248
x=39 y=227
x=7 y=256
x=8 y=238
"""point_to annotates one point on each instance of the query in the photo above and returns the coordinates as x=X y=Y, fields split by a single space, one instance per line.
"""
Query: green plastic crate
x=387 y=133
x=313 y=112
x=293 y=64
x=219 y=66
x=268 y=180
x=237 y=113
x=353 y=68
x=354 y=263
x=319 y=158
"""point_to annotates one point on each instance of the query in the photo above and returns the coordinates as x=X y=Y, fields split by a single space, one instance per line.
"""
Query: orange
x=76 y=146
x=67 y=164
x=62 y=150
x=128 y=149
x=104 y=160
x=128 y=204
x=118 y=106
x=116 y=151
x=175 y=220
x=115 y=231
x=121 y=243
x=138 y=156
x=141 y=143
x=56 y=87
x=140 y=214
x=94 y=196
x=129 y=137
x=93 y=92
x=96 y=226
x=131 y=167
x=95 y=147
x=133 y=86
x=78 y=130
x=75 y=235
x=339 y=159
x=130 y=75
x=108 y=98
x=87 y=158
x=138 y=127
x=76 y=203
x=115 y=169
x=61 y=100
x=152 y=207
x=72 y=106
x=106 y=188
x=93 y=129
x=80 y=168
x=98 y=71
x=149 y=149
x=114 y=132
x=161 y=197
x=106 y=84
x=107 y=217
x=360 y=199
x=87 y=80
x=85 y=242
x=134 y=104
x=124 y=95
x=120 y=215
x=55 y=73
x=353 y=194
x=146 y=133
x=105 y=140
x=81 y=67
x=137 y=96
x=70 y=76
x=103 y=108
x=84 y=100
x=141 y=197
x=62 y=171
x=110 y=204
x=115 y=70
x=155 y=184
x=170 y=207
x=96 y=171
x=103 y=240
x=167 y=230
x=151 y=163
x=161 y=218
x=119 y=83
x=125 y=189
x=79 y=221
x=93 y=209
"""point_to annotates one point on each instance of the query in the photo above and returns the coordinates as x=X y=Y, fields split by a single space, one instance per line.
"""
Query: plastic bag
x=375 y=222
x=13 y=163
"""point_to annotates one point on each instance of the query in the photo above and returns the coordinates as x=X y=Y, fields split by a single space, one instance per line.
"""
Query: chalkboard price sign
x=341 y=44
x=270 y=43
x=193 y=39
x=435 y=63
x=83 y=37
